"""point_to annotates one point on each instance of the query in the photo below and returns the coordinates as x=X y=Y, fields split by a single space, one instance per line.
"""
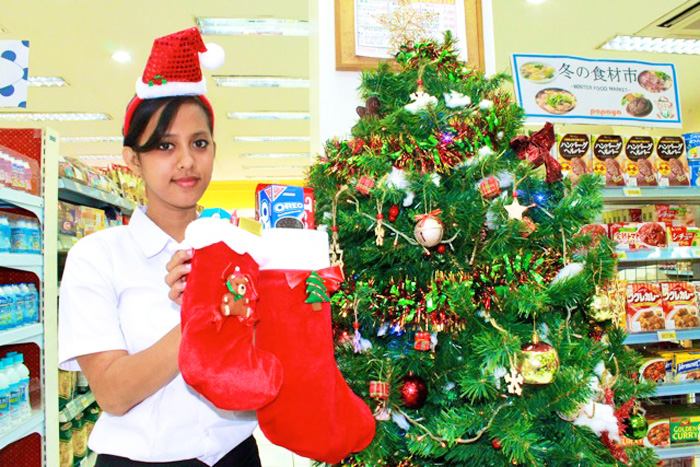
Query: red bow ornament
x=537 y=150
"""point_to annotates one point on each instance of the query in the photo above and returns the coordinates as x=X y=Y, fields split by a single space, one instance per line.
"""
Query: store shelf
x=25 y=262
x=34 y=424
x=74 y=192
x=650 y=337
x=658 y=254
x=676 y=389
x=75 y=407
x=651 y=194
x=27 y=333
x=22 y=200
x=678 y=451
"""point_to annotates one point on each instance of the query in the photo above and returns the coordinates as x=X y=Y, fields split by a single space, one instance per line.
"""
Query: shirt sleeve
x=88 y=318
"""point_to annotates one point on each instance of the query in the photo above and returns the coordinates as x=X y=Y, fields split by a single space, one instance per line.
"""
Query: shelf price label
x=621 y=254
x=632 y=191
x=664 y=336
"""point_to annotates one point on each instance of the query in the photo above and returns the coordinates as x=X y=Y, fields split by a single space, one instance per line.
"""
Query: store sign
x=14 y=73
x=565 y=89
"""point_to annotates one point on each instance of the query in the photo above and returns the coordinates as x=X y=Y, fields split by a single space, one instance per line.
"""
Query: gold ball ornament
x=428 y=232
x=538 y=362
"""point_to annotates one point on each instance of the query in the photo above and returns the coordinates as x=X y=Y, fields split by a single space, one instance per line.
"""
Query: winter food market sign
x=611 y=92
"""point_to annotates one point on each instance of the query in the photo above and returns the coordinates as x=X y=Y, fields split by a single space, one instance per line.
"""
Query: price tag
x=72 y=409
x=621 y=254
x=666 y=336
x=632 y=191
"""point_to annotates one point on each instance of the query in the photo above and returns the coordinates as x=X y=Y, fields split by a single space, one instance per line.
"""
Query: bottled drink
x=5 y=235
x=35 y=303
x=18 y=312
x=5 y=314
x=13 y=380
x=35 y=238
x=4 y=400
x=25 y=407
x=9 y=309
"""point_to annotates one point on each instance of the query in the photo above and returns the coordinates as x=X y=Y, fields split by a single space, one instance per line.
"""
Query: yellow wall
x=236 y=194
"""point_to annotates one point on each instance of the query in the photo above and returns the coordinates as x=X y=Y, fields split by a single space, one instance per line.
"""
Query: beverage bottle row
x=20 y=235
x=19 y=305
x=15 y=173
x=15 y=405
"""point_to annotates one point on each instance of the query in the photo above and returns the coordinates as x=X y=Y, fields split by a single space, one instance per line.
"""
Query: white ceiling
x=75 y=39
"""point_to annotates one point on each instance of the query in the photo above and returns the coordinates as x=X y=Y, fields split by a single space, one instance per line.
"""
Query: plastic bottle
x=13 y=379
x=35 y=304
x=4 y=310
x=9 y=308
x=35 y=238
x=26 y=302
x=4 y=400
x=25 y=406
x=18 y=316
x=5 y=235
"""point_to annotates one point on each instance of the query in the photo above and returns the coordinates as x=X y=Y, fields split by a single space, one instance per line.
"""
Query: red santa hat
x=173 y=69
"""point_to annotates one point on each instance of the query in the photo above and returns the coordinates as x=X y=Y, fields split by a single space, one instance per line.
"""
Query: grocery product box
x=692 y=145
x=680 y=305
x=654 y=369
x=684 y=429
x=670 y=214
x=282 y=206
x=638 y=235
x=644 y=307
x=607 y=158
x=683 y=236
x=574 y=155
x=68 y=218
x=672 y=161
x=638 y=162
x=686 y=366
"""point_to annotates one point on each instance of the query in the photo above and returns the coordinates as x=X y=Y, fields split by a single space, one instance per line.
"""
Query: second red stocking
x=316 y=414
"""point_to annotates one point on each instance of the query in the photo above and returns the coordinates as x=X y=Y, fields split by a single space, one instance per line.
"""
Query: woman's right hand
x=178 y=268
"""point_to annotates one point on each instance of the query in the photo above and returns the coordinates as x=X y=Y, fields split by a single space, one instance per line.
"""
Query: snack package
x=669 y=214
x=574 y=155
x=282 y=206
x=694 y=167
x=683 y=236
x=625 y=236
x=672 y=162
x=692 y=145
x=680 y=305
x=607 y=156
x=686 y=366
x=68 y=217
x=638 y=164
x=684 y=429
x=651 y=234
x=653 y=369
x=644 y=307
x=669 y=364
x=636 y=235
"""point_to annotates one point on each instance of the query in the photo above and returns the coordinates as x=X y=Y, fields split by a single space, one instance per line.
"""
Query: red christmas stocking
x=218 y=356
x=316 y=415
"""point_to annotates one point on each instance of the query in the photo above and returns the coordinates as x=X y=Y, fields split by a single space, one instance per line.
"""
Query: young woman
x=118 y=322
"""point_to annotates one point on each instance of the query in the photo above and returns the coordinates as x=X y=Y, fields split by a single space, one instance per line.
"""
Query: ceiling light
x=260 y=82
x=53 y=116
x=653 y=44
x=272 y=139
x=92 y=139
x=269 y=115
x=239 y=26
x=121 y=56
x=286 y=155
x=47 y=81
x=274 y=167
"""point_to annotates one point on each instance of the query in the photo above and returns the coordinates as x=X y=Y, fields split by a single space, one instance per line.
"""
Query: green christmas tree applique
x=316 y=290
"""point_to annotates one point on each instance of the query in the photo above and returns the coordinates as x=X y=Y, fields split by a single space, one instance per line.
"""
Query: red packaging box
x=644 y=307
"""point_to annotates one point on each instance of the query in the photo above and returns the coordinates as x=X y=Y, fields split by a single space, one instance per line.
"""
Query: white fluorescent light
x=286 y=155
x=92 y=139
x=269 y=115
x=240 y=26
x=121 y=56
x=272 y=139
x=653 y=44
x=47 y=81
x=274 y=167
x=53 y=116
x=260 y=82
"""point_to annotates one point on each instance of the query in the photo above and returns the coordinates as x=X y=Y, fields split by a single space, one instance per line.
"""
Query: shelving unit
x=42 y=146
x=77 y=193
x=75 y=407
x=652 y=194
x=674 y=452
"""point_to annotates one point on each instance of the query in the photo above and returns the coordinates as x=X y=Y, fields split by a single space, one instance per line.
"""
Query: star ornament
x=406 y=24
x=516 y=210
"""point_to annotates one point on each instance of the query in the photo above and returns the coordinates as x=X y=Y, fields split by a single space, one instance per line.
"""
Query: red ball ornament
x=393 y=213
x=496 y=443
x=441 y=249
x=413 y=391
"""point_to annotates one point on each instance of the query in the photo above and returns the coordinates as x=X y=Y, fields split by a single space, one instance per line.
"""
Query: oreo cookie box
x=283 y=206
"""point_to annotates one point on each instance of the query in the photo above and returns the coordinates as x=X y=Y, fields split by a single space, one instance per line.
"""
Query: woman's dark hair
x=147 y=108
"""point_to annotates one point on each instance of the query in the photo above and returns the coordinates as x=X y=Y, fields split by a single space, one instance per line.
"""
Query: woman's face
x=178 y=171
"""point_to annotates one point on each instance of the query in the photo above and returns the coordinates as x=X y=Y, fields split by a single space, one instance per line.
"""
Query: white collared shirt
x=114 y=297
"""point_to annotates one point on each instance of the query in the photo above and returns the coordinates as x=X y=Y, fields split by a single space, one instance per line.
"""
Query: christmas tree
x=316 y=289
x=477 y=320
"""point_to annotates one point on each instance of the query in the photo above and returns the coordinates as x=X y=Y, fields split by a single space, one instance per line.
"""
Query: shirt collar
x=149 y=237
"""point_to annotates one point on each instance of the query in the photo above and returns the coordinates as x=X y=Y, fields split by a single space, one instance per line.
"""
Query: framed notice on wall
x=361 y=42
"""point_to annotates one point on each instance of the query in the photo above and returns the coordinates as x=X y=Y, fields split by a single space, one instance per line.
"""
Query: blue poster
x=14 y=73
x=564 y=89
